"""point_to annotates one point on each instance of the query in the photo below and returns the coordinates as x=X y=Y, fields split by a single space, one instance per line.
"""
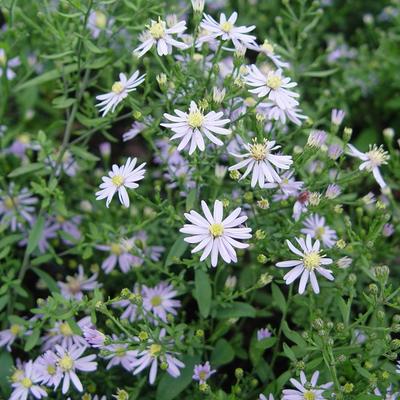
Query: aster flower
x=20 y=145
x=121 y=255
x=69 y=361
x=190 y=127
x=47 y=369
x=315 y=226
x=97 y=23
x=202 y=372
x=155 y=352
x=261 y=162
x=335 y=151
x=49 y=232
x=136 y=128
x=131 y=310
x=8 y=336
x=267 y=48
x=332 y=191
x=159 y=300
x=157 y=34
x=273 y=112
x=287 y=187
x=68 y=164
x=301 y=204
x=16 y=207
x=119 y=179
x=344 y=262
x=214 y=235
x=262 y=397
x=337 y=116
x=389 y=395
x=27 y=384
x=317 y=138
x=311 y=261
x=388 y=230
x=306 y=390
x=94 y=337
x=7 y=66
x=119 y=91
x=70 y=227
x=263 y=333
x=63 y=335
x=273 y=85
x=225 y=29
x=372 y=160
x=75 y=285
x=119 y=354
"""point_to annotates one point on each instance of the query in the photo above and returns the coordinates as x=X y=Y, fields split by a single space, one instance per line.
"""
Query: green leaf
x=321 y=74
x=293 y=336
x=236 y=310
x=289 y=352
x=279 y=298
x=32 y=339
x=10 y=239
x=169 y=388
x=84 y=154
x=47 y=77
x=257 y=348
x=191 y=199
x=93 y=48
x=6 y=364
x=3 y=301
x=47 y=279
x=223 y=353
x=176 y=251
x=35 y=234
x=63 y=102
x=26 y=169
x=202 y=292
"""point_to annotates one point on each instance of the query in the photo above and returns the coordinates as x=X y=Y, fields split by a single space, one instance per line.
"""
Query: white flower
x=272 y=111
x=225 y=29
x=190 y=127
x=215 y=235
x=273 y=85
x=337 y=116
x=372 y=160
x=260 y=161
x=119 y=91
x=305 y=390
x=198 y=5
x=157 y=34
x=119 y=179
x=26 y=384
x=310 y=261
x=315 y=226
x=267 y=48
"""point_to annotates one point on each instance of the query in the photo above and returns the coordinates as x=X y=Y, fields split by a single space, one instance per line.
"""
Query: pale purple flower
x=94 y=337
x=262 y=397
x=69 y=360
x=97 y=23
x=136 y=128
x=263 y=333
x=155 y=352
x=335 y=151
x=389 y=395
x=311 y=261
x=317 y=138
x=388 y=230
x=105 y=149
x=70 y=227
x=273 y=112
x=131 y=310
x=68 y=164
x=180 y=175
x=202 y=372
x=7 y=66
x=301 y=204
x=16 y=207
x=49 y=232
x=27 y=384
x=337 y=116
x=287 y=187
x=332 y=191
x=20 y=145
x=372 y=160
x=120 y=355
x=305 y=389
x=159 y=300
x=47 y=369
x=75 y=285
x=8 y=336
x=262 y=163
x=267 y=48
x=120 y=178
x=214 y=235
x=63 y=335
x=344 y=262
x=225 y=29
x=316 y=227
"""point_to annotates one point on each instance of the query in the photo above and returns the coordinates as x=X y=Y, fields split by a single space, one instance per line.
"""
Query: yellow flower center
x=195 y=119
x=120 y=351
x=24 y=138
x=258 y=151
x=3 y=58
x=116 y=249
x=74 y=284
x=157 y=29
x=308 y=395
x=226 y=26
x=377 y=156
x=319 y=232
x=267 y=46
x=156 y=301
x=60 y=219
x=117 y=87
x=9 y=202
x=51 y=369
x=100 y=20
x=65 y=329
x=203 y=375
x=249 y=101
x=155 y=349
x=274 y=81
x=216 y=230
x=198 y=57
x=26 y=383
x=117 y=180
x=66 y=363
x=311 y=260
x=17 y=375
x=15 y=329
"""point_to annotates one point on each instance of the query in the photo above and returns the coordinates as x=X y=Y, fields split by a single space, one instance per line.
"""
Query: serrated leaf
x=26 y=169
x=169 y=388
x=223 y=353
x=35 y=234
x=202 y=292
x=176 y=251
